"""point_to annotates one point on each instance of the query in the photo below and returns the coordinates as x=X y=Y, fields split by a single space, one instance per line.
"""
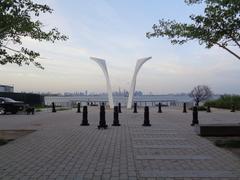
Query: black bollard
x=146 y=121
x=115 y=117
x=233 y=108
x=135 y=108
x=184 y=108
x=78 y=107
x=102 y=122
x=119 y=108
x=85 y=117
x=208 y=109
x=53 y=107
x=159 y=108
x=195 y=116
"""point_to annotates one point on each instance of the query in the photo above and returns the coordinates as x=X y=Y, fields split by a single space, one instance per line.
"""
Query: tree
x=19 y=19
x=200 y=93
x=219 y=26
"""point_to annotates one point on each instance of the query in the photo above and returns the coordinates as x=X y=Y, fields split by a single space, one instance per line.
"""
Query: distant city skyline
x=115 y=31
x=115 y=93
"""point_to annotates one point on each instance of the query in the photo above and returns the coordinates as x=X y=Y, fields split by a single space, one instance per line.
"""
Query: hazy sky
x=115 y=30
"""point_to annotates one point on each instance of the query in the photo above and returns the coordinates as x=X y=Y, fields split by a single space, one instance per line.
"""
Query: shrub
x=228 y=143
x=225 y=102
x=200 y=108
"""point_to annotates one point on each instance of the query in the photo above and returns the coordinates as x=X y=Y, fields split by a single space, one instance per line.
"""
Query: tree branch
x=11 y=49
x=230 y=35
x=2 y=29
x=224 y=47
x=236 y=41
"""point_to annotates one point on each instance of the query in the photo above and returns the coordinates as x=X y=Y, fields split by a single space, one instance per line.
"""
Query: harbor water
x=144 y=100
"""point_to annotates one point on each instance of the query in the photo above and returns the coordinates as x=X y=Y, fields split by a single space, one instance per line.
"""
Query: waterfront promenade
x=168 y=150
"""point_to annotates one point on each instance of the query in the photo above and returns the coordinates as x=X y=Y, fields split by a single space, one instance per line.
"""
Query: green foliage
x=18 y=19
x=200 y=108
x=220 y=25
x=225 y=102
x=40 y=106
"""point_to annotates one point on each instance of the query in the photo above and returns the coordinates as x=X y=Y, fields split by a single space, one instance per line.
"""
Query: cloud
x=96 y=28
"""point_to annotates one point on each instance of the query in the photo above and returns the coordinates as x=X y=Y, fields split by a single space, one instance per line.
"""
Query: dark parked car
x=10 y=105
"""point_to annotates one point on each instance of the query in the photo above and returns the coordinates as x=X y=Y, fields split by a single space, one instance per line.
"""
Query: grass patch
x=228 y=143
x=10 y=135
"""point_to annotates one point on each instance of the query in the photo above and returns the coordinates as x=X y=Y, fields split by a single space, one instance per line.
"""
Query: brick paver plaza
x=169 y=149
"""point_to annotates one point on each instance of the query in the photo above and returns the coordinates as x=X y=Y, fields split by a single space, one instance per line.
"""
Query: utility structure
x=195 y=116
x=184 y=108
x=139 y=64
x=102 y=64
x=102 y=121
x=146 y=121
x=53 y=107
x=85 y=117
x=115 y=117
x=135 y=108
x=78 y=107
x=159 y=108
x=119 y=108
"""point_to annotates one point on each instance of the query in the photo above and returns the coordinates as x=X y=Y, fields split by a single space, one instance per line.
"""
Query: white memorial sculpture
x=139 y=64
x=102 y=64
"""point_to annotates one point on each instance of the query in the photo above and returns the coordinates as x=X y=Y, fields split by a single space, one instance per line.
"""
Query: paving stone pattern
x=168 y=150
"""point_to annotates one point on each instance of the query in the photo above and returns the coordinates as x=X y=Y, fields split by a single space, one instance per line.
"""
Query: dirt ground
x=13 y=134
x=235 y=151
